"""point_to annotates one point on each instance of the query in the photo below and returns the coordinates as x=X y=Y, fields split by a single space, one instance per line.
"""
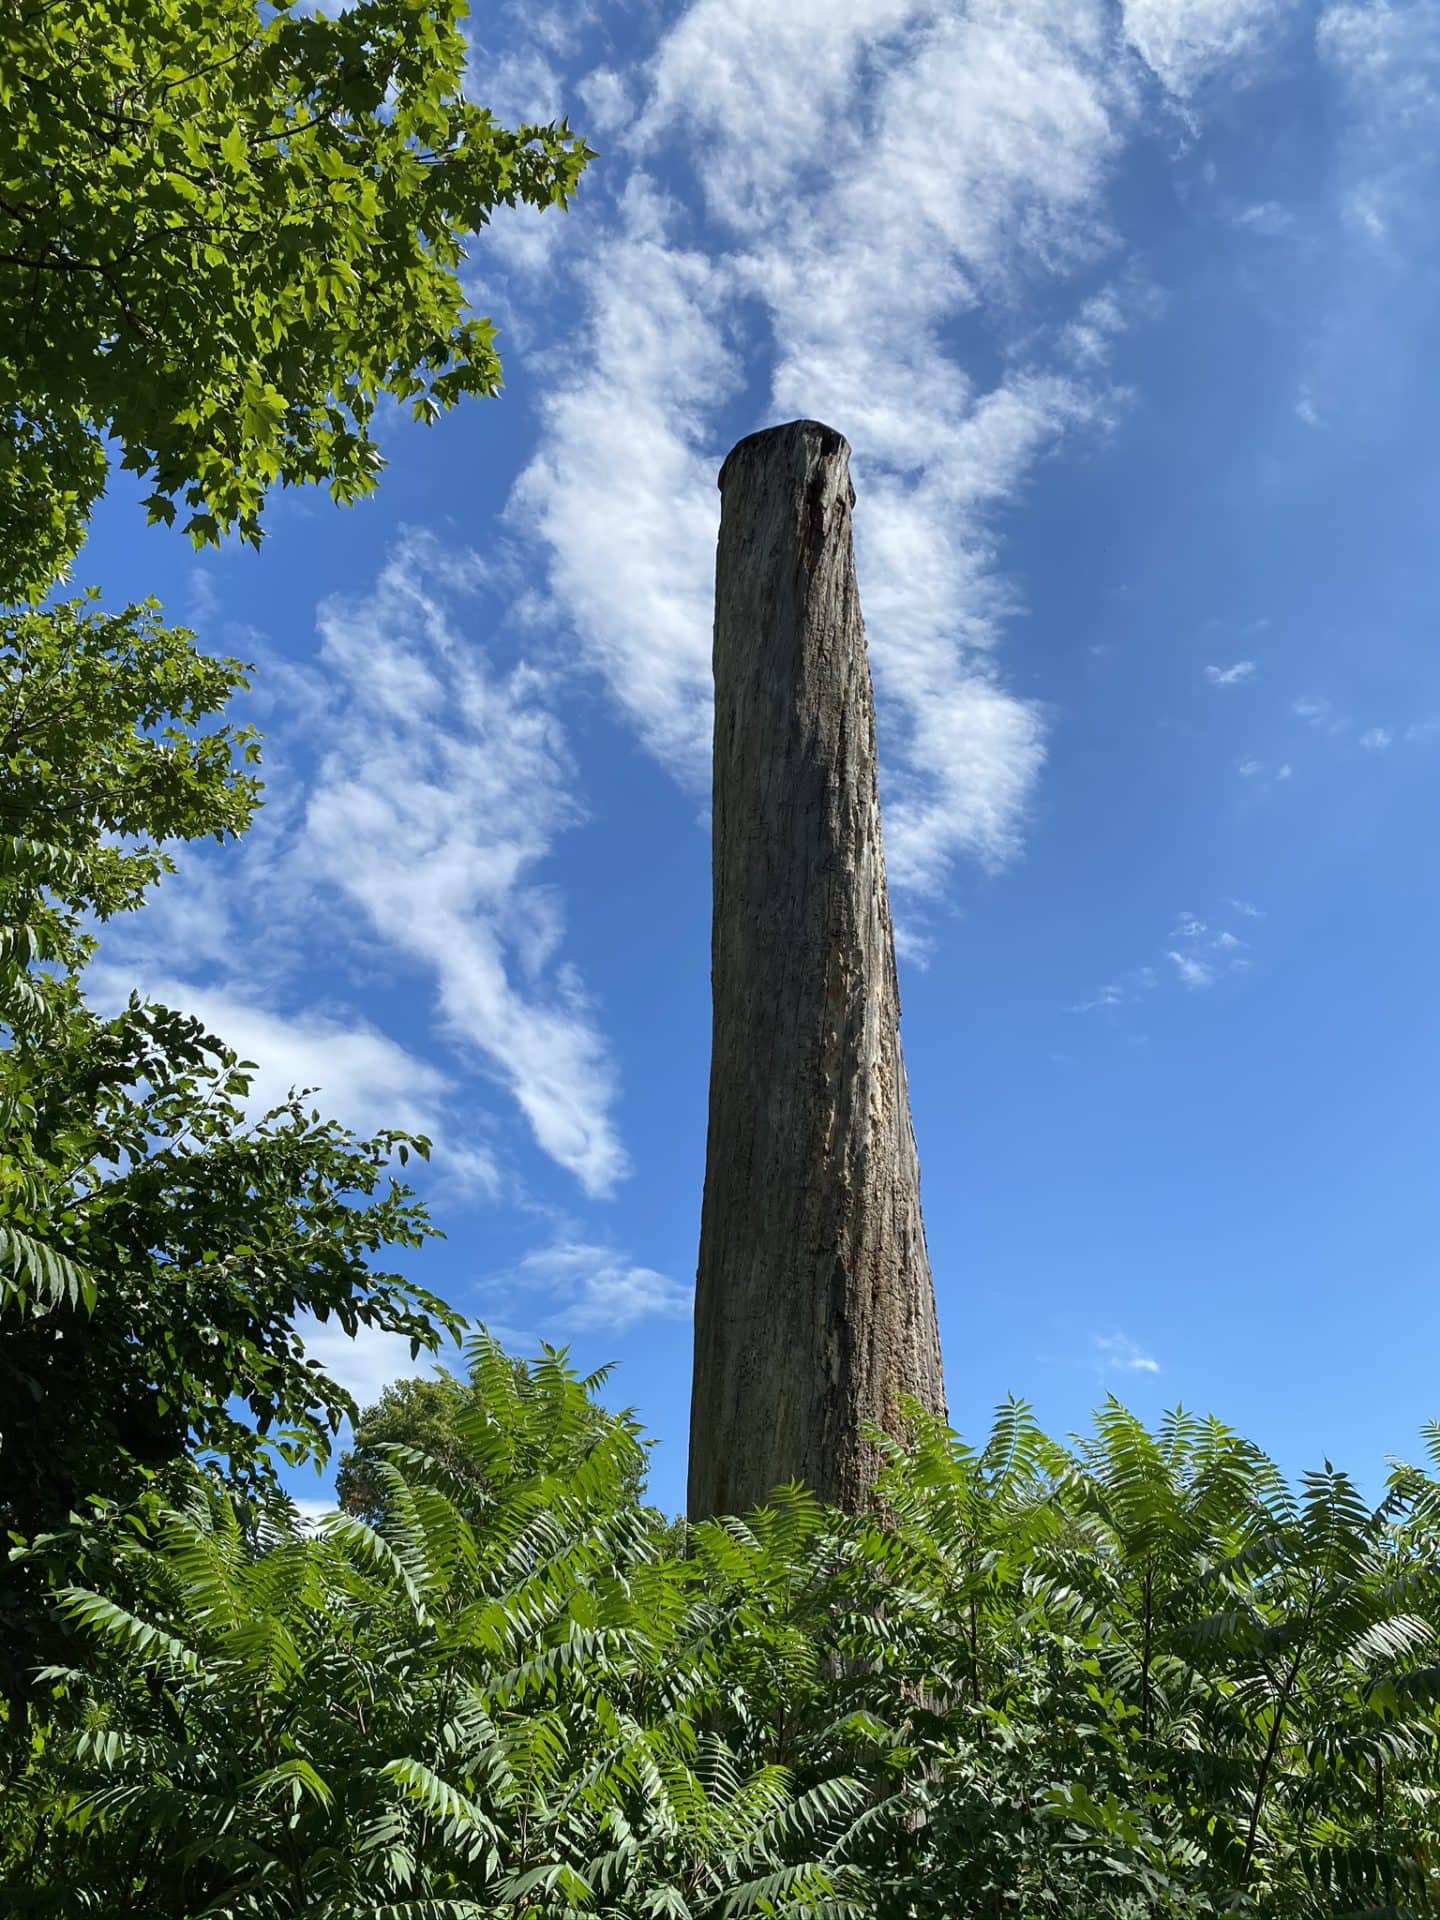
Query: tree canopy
x=1139 y=1679
x=540 y=1417
x=231 y=232
x=157 y=1239
x=228 y=232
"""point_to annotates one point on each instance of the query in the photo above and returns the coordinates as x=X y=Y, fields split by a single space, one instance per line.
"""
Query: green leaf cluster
x=429 y=1418
x=229 y=231
x=1141 y=1675
x=158 y=1237
x=492 y=1702
x=107 y=756
x=231 y=238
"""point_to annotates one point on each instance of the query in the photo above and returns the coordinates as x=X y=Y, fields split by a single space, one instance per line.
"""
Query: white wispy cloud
x=1337 y=726
x=1126 y=989
x=521 y=83
x=836 y=247
x=1232 y=675
x=607 y=100
x=188 y=921
x=1387 y=50
x=1320 y=713
x=1266 y=217
x=1118 y=1353
x=441 y=786
x=859 y=281
x=622 y=491
x=1201 y=954
x=415 y=795
x=1193 y=971
x=555 y=25
x=591 y=1288
x=521 y=244
x=366 y=1362
x=1184 y=41
x=360 y=1077
x=728 y=70
x=1385 y=55
x=1089 y=339
x=1204 y=953
x=1112 y=994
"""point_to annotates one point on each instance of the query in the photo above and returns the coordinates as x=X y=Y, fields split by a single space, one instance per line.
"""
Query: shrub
x=1142 y=1676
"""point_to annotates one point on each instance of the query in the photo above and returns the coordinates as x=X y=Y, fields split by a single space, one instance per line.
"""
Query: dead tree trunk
x=814 y=1310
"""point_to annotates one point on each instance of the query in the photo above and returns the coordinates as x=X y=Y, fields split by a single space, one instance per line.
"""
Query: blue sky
x=1130 y=316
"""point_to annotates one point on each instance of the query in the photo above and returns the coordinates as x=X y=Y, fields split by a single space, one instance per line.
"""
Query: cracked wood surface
x=814 y=1309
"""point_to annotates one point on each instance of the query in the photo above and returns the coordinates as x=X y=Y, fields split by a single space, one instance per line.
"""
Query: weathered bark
x=814 y=1310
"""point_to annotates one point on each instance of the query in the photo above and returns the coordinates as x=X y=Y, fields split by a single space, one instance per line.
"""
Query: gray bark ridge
x=814 y=1307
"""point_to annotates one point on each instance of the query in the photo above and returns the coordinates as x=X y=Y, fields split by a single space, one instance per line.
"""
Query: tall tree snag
x=814 y=1310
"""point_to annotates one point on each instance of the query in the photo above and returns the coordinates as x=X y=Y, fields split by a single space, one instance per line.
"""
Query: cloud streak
x=1192 y=970
x=442 y=785
x=359 y=1076
x=1184 y=41
x=1118 y=1353
x=827 y=280
x=366 y=1362
x=423 y=790
x=1199 y=955
x=592 y=1288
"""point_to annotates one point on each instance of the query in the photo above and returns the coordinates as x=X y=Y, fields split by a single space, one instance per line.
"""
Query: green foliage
x=161 y=1245
x=1186 y=1678
x=156 y=1240
x=430 y=1716
x=423 y=1415
x=231 y=231
x=105 y=758
x=1141 y=1677
x=436 y=1418
x=228 y=231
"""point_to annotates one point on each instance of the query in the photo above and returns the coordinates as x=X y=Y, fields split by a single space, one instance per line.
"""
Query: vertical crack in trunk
x=814 y=1309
